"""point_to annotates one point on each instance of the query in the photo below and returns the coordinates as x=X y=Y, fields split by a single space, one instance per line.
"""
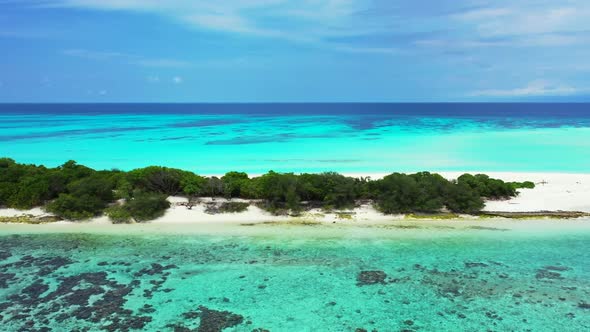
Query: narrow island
x=74 y=192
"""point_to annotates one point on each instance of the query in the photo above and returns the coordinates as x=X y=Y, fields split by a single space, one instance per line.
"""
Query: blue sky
x=287 y=50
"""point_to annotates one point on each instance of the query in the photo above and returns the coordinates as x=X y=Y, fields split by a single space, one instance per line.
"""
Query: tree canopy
x=74 y=191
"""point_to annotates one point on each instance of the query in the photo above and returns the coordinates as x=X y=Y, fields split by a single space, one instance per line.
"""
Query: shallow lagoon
x=298 y=278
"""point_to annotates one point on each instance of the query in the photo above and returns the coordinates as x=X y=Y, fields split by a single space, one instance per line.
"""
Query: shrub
x=192 y=185
x=97 y=186
x=488 y=187
x=332 y=189
x=523 y=185
x=72 y=207
x=461 y=198
x=233 y=183
x=118 y=214
x=31 y=191
x=146 y=206
x=396 y=193
x=157 y=179
x=233 y=207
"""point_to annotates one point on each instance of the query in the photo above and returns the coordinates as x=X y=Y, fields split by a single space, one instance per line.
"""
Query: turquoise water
x=390 y=279
x=302 y=138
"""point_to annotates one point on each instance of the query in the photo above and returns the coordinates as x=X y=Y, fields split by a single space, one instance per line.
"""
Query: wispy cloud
x=309 y=21
x=523 y=23
x=474 y=23
x=534 y=88
x=258 y=17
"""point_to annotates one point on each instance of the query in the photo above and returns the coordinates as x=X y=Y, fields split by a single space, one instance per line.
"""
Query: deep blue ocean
x=353 y=137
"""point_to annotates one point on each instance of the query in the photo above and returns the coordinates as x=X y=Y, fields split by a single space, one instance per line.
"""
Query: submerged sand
x=305 y=230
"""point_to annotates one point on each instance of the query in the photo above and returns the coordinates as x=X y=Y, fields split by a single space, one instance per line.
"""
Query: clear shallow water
x=414 y=280
x=213 y=139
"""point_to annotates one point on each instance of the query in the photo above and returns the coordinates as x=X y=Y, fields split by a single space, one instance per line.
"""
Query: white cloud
x=227 y=15
x=482 y=14
x=534 y=88
x=523 y=23
x=177 y=80
x=294 y=20
x=499 y=23
x=519 y=18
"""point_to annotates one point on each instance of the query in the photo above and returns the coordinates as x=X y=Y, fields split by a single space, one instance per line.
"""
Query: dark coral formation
x=547 y=274
x=90 y=297
x=213 y=320
x=209 y=320
x=5 y=278
x=371 y=278
x=71 y=299
x=463 y=284
x=559 y=268
x=155 y=269
x=5 y=255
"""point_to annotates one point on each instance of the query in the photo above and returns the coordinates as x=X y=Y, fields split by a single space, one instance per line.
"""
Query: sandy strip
x=400 y=229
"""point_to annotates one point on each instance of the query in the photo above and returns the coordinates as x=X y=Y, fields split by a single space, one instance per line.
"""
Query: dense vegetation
x=77 y=192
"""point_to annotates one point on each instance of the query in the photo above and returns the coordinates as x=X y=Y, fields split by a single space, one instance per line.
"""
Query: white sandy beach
x=554 y=192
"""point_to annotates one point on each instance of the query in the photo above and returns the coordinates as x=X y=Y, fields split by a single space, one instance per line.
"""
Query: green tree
x=213 y=187
x=157 y=179
x=431 y=191
x=192 y=185
x=73 y=207
x=233 y=182
x=396 y=193
x=146 y=206
x=461 y=198
x=280 y=190
x=29 y=192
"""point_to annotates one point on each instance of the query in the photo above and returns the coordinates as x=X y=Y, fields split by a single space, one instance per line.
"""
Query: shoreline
x=395 y=229
x=399 y=230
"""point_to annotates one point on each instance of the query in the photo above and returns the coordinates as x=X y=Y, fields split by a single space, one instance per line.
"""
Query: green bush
x=146 y=206
x=77 y=192
x=332 y=189
x=461 y=198
x=118 y=214
x=72 y=207
x=395 y=193
x=523 y=185
x=31 y=191
x=233 y=207
x=488 y=187
x=233 y=182
x=163 y=180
